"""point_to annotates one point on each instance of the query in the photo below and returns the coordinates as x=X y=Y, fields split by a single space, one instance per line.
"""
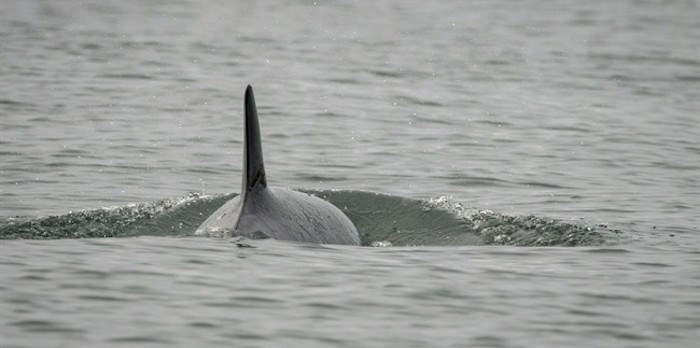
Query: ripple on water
x=43 y=326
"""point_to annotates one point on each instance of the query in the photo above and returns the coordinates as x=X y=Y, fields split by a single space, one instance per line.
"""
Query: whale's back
x=264 y=212
x=285 y=215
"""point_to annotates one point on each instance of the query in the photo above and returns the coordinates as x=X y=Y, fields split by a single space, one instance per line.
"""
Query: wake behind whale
x=261 y=211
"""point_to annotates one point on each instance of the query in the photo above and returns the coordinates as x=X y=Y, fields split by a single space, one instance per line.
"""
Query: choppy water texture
x=537 y=167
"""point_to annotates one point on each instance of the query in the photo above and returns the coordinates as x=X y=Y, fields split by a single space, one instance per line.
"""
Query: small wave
x=344 y=81
x=542 y=184
x=466 y=180
x=417 y=101
x=131 y=76
x=11 y=102
x=387 y=73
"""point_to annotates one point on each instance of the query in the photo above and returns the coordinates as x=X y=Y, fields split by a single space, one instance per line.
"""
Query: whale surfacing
x=270 y=212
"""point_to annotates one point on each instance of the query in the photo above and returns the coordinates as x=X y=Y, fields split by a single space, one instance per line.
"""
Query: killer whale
x=260 y=211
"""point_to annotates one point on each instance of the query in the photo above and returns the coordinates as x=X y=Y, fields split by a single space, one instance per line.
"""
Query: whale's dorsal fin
x=253 y=167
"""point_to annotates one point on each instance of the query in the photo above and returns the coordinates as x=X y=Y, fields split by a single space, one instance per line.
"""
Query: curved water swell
x=381 y=219
x=440 y=221
x=169 y=217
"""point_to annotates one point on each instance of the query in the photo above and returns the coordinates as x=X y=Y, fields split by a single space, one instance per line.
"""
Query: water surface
x=501 y=133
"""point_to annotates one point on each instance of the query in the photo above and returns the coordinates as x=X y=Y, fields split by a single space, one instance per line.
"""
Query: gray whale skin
x=269 y=212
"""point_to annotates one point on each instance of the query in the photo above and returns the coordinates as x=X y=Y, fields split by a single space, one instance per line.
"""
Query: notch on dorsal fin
x=253 y=167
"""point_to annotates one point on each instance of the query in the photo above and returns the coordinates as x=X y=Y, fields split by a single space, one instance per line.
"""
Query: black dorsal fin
x=253 y=167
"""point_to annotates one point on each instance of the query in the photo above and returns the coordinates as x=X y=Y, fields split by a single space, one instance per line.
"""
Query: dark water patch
x=304 y=336
x=441 y=269
x=74 y=165
x=137 y=289
x=204 y=47
x=652 y=264
x=202 y=170
x=627 y=336
x=101 y=298
x=90 y=46
x=329 y=114
x=197 y=262
x=202 y=325
x=231 y=63
x=688 y=78
x=636 y=58
x=585 y=313
x=232 y=305
x=154 y=63
x=184 y=79
x=195 y=247
x=13 y=102
x=33 y=277
x=201 y=283
x=608 y=210
x=324 y=306
x=387 y=73
x=129 y=44
x=417 y=101
x=423 y=119
x=499 y=252
x=256 y=39
x=579 y=85
x=70 y=153
x=595 y=324
x=247 y=336
x=343 y=166
x=496 y=123
x=94 y=274
x=617 y=298
x=344 y=81
x=505 y=141
x=620 y=78
x=488 y=341
x=653 y=282
x=497 y=62
x=128 y=76
x=135 y=272
x=42 y=119
x=479 y=181
x=12 y=263
x=542 y=185
x=140 y=339
x=254 y=299
x=8 y=127
x=648 y=92
x=606 y=251
x=34 y=181
x=43 y=326
x=320 y=178
x=441 y=294
x=84 y=286
x=568 y=129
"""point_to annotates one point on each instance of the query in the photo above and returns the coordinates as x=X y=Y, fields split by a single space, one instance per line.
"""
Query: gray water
x=473 y=118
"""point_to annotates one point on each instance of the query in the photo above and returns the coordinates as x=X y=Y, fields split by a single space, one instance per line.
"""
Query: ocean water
x=530 y=169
